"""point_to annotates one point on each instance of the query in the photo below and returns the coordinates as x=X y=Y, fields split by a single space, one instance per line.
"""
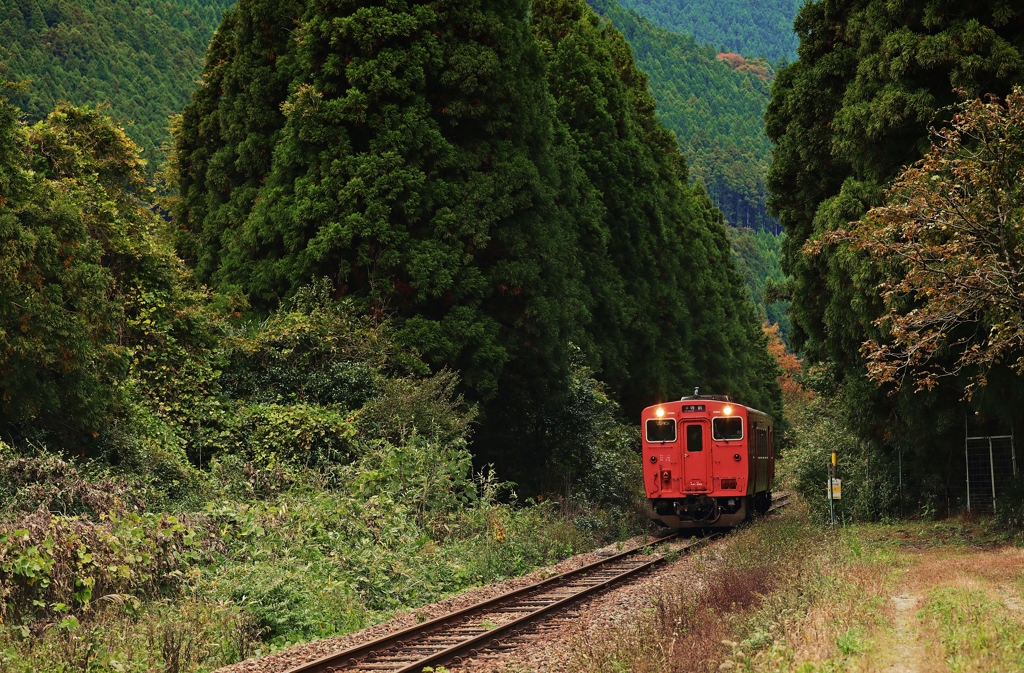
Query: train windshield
x=662 y=430
x=730 y=427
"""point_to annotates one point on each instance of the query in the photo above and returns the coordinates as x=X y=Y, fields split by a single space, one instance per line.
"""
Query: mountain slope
x=762 y=28
x=139 y=59
x=716 y=112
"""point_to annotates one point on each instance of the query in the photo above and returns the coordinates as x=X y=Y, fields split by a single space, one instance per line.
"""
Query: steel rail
x=349 y=659
x=472 y=645
x=400 y=637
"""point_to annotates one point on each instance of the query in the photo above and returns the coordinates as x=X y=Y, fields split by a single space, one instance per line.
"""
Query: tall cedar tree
x=687 y=320
x=872 y=77
x=438 y=163
x=411 y=165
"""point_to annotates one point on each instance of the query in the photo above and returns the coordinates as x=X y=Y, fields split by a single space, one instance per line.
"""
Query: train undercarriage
x=703 y=511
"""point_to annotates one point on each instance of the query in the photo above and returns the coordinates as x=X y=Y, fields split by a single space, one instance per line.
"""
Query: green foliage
x=54 y=563
x=402 y=526
x=424 y=192
x=664 y=240
x=77 y=241
x=715 y=111
x=751 y=28
x=139 y=59
x=478 y=196
x=301 y=434
x=855 y=109
x=869 y=473
x=315 y=350
x=758 y=257
x=403 y=407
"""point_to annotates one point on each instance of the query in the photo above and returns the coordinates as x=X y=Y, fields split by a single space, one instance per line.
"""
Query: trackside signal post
x=834 y=489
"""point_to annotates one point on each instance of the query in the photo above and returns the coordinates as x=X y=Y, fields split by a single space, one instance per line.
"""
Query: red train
x=707 y=462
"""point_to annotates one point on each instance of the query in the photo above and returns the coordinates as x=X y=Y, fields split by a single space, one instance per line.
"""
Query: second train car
x=708 y=462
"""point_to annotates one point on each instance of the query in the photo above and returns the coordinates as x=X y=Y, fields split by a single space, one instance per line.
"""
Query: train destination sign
x=693 y=407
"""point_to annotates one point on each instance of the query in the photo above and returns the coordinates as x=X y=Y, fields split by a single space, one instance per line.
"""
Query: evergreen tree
x=871 y=79
x=667 y=245
x=500 y=192
x=414 y=170
x=225 y=138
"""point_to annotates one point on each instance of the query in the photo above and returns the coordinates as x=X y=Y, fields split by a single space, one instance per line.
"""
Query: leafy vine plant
x=948 y=247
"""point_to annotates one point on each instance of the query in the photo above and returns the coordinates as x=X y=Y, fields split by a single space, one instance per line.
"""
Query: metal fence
x=991 y=463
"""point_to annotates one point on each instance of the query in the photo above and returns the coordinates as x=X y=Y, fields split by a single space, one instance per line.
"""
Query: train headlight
x=659 y=412
x=727 y=410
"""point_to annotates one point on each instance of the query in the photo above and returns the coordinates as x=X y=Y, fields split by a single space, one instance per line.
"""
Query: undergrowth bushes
x=274 y=481
x=869 y=479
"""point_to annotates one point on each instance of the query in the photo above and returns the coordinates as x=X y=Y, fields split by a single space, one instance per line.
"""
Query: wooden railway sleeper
x=603 y=571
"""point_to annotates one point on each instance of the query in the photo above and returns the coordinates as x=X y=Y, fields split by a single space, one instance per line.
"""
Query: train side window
x=728 y=427
x=663 y=430
x=694 y=438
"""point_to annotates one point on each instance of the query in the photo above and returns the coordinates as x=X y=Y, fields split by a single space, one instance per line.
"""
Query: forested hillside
x=139 y=60
x=498 y=214
x=716 y=112
x=407 y=242
x=749 y=27
x=759 y=258
x=897 y=307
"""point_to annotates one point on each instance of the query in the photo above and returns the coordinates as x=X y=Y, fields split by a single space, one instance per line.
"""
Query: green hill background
x=762 y=28
x=139 y=60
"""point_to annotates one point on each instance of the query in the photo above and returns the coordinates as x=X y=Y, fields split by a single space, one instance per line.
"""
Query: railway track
x=491 y=625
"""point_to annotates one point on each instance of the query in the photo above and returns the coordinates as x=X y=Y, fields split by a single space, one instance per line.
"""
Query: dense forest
x=715 y=109
x=879 y=303
x=139 y=60
x=758 y=257
x=400 y=256
x=492 y=243
x=760 y=29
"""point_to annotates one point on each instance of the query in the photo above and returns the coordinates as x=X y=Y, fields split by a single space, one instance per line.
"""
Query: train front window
x=661 y=430
x=694 y=438
x=727 y=428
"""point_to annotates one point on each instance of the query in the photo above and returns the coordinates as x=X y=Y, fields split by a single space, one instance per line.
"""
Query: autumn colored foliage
x=794 y=395
x=949 y=242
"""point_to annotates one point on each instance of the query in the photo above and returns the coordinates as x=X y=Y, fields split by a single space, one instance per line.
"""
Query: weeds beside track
x=499 y=623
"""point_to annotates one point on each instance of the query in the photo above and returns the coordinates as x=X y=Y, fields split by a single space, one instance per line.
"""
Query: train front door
x=696 y=457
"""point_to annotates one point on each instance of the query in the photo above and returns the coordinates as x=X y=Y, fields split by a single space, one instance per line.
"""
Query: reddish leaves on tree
x=949 y=245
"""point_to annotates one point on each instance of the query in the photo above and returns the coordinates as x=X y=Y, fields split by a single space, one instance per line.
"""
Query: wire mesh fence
x=991 y=463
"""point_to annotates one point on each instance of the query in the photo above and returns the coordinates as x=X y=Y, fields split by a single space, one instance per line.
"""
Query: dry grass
x=684 y=630
x=785 y=595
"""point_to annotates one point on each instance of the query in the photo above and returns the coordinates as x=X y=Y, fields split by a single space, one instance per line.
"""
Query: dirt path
x=950 y=608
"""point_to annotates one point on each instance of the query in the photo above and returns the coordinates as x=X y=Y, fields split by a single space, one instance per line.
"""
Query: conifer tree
x=413 y=170
x=871 y=79
x=672 y=312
